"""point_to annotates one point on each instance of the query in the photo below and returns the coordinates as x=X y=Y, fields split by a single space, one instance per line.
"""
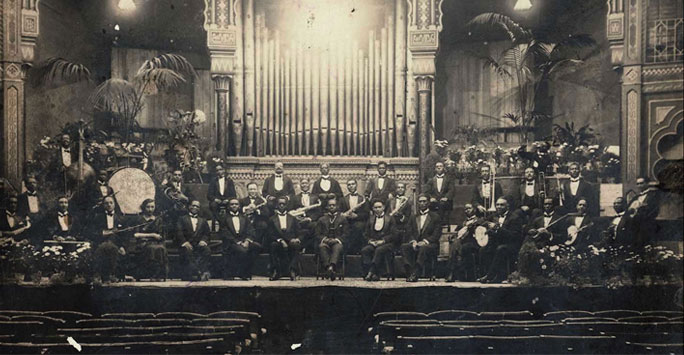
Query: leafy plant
x=567 y=134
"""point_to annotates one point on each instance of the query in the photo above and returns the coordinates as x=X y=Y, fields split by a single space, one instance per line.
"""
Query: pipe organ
x=343 y=98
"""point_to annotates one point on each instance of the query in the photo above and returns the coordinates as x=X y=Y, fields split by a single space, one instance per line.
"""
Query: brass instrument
x=492 y=186
x=402 y=202
x=561 y=194
x=355 y=208
x=178 y=198
x=302 y=210
x=253 y=209
x=542 y=188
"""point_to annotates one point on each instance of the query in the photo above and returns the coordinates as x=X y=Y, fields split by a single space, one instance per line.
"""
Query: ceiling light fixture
x=522 y=5
x=126 y=5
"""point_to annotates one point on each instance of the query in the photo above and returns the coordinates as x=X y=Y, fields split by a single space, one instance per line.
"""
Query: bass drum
x=131 y=187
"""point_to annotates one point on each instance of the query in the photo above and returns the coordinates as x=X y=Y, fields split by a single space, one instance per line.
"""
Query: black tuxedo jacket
x=478 y=200
x=584 y=190
x=290 y=232
x=269 y=187
x=261 y=214
x=228 y=233
x=511 y=232
x=94 y=194
x=228 y=190
x=558 y=230
x=389 y=187
x=431 y=231
x=587 y=235
x=334 y=188
x=51 y=225
x=4 y=224
x=521 y=199
x=184 y=232
x=337 y=228
x=97 y=223
x=23 y=206
x=387 y=233
x=404 y=214
x=431 y=190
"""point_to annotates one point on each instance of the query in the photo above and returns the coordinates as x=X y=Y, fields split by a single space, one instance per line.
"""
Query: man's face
x=401 y=189
x=102 y=176
x=332 y=206
x=581 y=206
x=423 y=203
x=548 y=205
x=66 y=141
x=108 y=204
x=378 y=208
x=252 y=190
x=468 y=210
x=279 y=168
x=501 y=206
x=351 y=186
x=325 y=169
x=220 y=171
x=194 y=207
x=12 y=204
x=574 y=170
x=382 y=169
x=619 y=205
x=439 y=168
x=149 y=208
x=484 y=172
x=234 y=205
x=63 y=204
x=529 y=174
x=641 y=184
x=304 y=184
x=282 y=205
x=177 y=176
x=32 y=184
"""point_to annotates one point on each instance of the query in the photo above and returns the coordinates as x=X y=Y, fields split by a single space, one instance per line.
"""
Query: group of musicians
x=377 y=223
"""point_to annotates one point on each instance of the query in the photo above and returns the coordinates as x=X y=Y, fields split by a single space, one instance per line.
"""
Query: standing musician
x=530 y=194
x=575 y=189
x=286 y=245
x=643 y=210
x=381 y=239
x=192 y=237
x=463 y=248
x=99 y=189
x=620 y=231
x=486 y=190
x=381 y=187
x=546 y=226
x=149 y=251
x=237 y=234
x=62 y=224
x=332 y=231
x=221 y=190
x=177 y=194
x=355 y=208
x=307 y=217
x=254 y=207
x=107 y=242
x=439 y=191
x=580 y=227
x=423 y=239
x=326 y=187
x=505 y=230
x=64 y=157
x=277 y=185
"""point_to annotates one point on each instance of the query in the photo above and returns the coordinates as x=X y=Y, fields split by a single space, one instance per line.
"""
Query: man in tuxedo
x=546 y=227
x=221 y=190
x=285 y=245
x=620 y=231
x=64 y=157
x=482 y=191
x=108 y=243
x=585 y=226
x=505 y=238
x=529 y=194
x=381 y=241
x=332 y=231
x=30 y=202
x=254 y=207
x=463 y=248
x=12 y=224
x=439 y=191
x=575 y=189
x=381 y=187
x=326 y=187
x=192 y=238
x=400 y=208
x=62 y=224
x=307 y=221
x=239 y=247
x=423 y=239
x=354 y=207
x=277 y=185
x=177 y=194
x=643 y=210
x=95 y=192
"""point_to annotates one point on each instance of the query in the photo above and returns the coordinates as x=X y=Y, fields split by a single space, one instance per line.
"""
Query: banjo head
x=481 y=236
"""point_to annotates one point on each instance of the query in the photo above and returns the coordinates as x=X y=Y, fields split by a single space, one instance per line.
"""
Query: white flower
x=553 y=247
x=579 y=256
x=543 y=267
x=200 y=117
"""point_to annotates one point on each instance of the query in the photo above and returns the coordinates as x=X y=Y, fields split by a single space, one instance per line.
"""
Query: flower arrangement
x=63 y=263
x=184 y=144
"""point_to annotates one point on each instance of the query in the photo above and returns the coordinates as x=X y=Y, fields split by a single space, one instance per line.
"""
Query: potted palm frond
x=530 y=62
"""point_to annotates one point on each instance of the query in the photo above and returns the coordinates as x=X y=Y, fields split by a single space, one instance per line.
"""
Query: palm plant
x=574 y=138
x=528 y=61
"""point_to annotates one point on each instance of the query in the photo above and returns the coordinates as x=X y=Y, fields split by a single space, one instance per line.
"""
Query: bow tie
x=66 y=150
x=439 y=176
x=485 y=182
x=192 y=215
x=325 y=177
x=63 y=214
x=110 y=214
x=234 y=214
x=102 y=183
x=530 y=183
x=619 y=214
x=10 y=214
x=424 y=213
x=353 y=194
x=381 y=177
x=574 y=179
x=380 y=217
x=279 y=176
x=305 y=193
x=31 y=193
x=282 y=214
x=548 y=214
x=332 y=215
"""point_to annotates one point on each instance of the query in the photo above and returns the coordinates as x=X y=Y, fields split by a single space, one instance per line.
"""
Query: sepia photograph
x=342 y=177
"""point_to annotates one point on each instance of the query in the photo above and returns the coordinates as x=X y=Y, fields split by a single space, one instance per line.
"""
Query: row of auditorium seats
x=114 y=333
x=607 y=331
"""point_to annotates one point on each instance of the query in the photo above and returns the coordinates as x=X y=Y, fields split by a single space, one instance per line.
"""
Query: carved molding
x=221 y=63
x=423 y=40
x=631 y=75
x=663 y=87
x=632 y=134
x=425 y=14
x=673 y=72
x=424 y=82
x=615 y=27
x=423 y=65
x=634 y=29
x=222 y=82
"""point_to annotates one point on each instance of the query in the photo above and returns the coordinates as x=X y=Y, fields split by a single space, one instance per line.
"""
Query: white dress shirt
x=222 y=184
x=33 y=203
x=502 y=218
x=104 y=190
x=236 y=222
x=439 y=182
x=353 y=200
x=574 y=185
x=423 y=218
x=306 y=199
x=278 y=182
x=486 y=189
x=63 y=219
x=110 y=221
x=325 y=183
x=381 y=182
x=193 y=221
x=379 y=223
x=66 y=157
x=529 y=189
x=282 y=218
x=10 y=219
x=547 y=219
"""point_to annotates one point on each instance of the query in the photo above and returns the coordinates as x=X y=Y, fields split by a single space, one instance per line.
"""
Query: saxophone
x=302 y=210
x=402 y=202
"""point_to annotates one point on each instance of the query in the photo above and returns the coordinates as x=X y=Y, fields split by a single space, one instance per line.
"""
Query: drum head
x=131 y=187
x=481 y=236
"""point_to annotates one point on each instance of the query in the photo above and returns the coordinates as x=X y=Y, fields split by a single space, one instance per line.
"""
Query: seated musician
x=505 y=229
x=326 y=187
x=98 y=190
x=464 y=248
x=439 y=191
x=13 y=227
x=108 y=243
x=529 y=194
x=575 y=188
x=221 y=190
x=332 y=230
x=30 y=203
x=237 y=234
x=277 y=185
x=254 y=207
x=303 y=206
x=285 y=242
x=423 y=239
x=620 y=230
x=355 y=209
x=546 y=227
x=482 y=197
x=192 y=237
x=381 y=241
x=148 y=250
x=381 y=187
x=62 y=224
x=643 y=210
x=581 y=227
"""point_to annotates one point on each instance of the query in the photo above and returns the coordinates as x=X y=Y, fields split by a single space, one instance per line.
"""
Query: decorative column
x=220 y=22
x=424 y=25
x=250 y=81
x=19 y=33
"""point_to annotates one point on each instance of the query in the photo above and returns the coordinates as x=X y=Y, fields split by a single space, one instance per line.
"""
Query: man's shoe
x=274 y=276
x=293 y=275
x=483 y=279
x=374 y=277
x=205 y=276
x=331 y=273
x=368 y=276
x=450 y=278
